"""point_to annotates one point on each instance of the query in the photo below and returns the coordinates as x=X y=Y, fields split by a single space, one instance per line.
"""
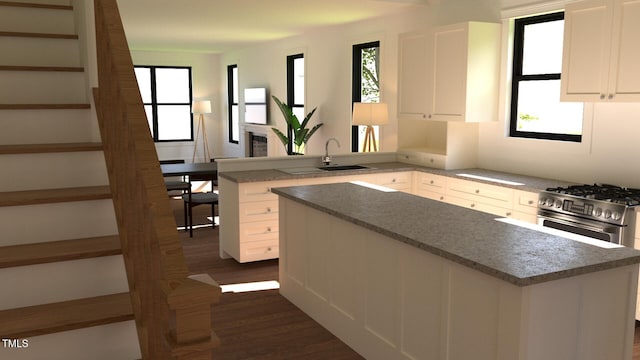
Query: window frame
x=230 y=103
x=291 y=91
x=356 y=85
x=517 y=77
x=154 y=102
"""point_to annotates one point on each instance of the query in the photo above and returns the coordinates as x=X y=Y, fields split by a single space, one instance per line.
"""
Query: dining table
x=206 y=171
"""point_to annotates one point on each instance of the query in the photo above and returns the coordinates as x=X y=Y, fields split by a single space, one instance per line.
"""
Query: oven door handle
x=573 y=224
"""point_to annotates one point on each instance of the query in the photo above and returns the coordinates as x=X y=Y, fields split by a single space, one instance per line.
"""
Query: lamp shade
x=202 y=107
x=370 y=114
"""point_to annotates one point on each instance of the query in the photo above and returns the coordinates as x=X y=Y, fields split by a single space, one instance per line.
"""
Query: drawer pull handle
x=473 y=205
x=431 y=182
x=508 y=213
x=477 y=191
x=268 y=210
x=441 y=197
x=268 y=249
x=530 y=202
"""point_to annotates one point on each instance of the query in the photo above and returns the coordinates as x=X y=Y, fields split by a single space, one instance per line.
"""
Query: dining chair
x=192 y=200
x=178 y=185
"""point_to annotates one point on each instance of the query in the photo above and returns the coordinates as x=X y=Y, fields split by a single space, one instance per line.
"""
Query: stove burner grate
x=602 y=192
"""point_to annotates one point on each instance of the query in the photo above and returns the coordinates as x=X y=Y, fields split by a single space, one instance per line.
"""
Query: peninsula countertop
x=526 y=183
x=511 y=253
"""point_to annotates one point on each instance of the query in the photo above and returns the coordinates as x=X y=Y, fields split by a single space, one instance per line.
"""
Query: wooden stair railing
x=172 y=311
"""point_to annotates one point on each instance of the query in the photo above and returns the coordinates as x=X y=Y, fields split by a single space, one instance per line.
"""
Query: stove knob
x=616 y=215
x=607 y=214
x=549 y=202
x=597 y=212
x=558 y=204
x=541 y=202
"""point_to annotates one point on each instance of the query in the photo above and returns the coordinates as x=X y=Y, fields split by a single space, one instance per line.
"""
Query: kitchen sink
x=342 y=167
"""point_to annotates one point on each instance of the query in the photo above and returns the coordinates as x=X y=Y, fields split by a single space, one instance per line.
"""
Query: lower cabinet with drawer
x=249 y=219
x=430 y=186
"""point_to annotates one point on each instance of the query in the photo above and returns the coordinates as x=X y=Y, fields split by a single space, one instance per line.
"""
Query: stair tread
x=41 y=68
x=64 y=316
x=50 y=196
x=43 y=106
x=62 y=250
x=38 y=35
x=36 y=5
x=49 y=148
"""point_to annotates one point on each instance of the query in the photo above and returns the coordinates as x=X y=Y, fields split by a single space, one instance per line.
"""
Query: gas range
x=601 y=211
x=601 y=202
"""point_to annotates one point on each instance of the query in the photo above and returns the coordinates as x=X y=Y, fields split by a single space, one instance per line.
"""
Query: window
x=365 y=84
x=536 y=110
x=295 y=90
x=234 y=113
x=166 y=94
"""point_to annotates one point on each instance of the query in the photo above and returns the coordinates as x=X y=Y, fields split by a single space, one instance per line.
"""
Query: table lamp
x=201 y=107
x=369 y=114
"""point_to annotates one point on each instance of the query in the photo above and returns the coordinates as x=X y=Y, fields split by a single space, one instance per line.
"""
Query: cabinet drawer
x=261 y=191
x=258 y=231
x=259 y=250
x=433 y=195
x=480 y=206
x=488 y=194
x=398 y=181
x=526 y=202
x=258 y=211
x=430 y=182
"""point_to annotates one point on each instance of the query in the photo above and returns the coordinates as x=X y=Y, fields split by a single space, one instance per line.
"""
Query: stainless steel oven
x=602 y=212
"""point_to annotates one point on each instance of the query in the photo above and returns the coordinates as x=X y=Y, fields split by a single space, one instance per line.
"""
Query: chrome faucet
x=326 y=159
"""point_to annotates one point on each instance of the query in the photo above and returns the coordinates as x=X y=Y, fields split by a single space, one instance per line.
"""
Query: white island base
x=390 y=300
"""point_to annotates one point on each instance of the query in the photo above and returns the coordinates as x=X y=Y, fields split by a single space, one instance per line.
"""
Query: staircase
x=65 y=293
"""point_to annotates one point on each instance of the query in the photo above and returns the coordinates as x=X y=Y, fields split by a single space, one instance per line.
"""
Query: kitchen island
x=397 y=276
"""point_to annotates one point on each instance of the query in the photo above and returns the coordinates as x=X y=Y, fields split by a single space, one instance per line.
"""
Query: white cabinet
x=413 y=75
x=492 y=199
x=525 y=206
x=451 y=74
x=402 y=181
x=601 y=52
x=430 y=186
x=466 y=59
x=249 y=229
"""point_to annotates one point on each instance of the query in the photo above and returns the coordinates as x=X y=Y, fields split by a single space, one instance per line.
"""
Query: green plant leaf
x=312 y=131
x=284 y=138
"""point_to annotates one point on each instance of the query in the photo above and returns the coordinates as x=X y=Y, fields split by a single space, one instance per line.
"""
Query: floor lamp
x=369 y=114
x=201 y=107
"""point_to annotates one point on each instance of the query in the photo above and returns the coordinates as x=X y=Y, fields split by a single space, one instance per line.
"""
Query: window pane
x=543 y=48
x=369 y=75
x=174 y=122
x=149 y=111
x=298 y=81
x=236 y=90
x=172 y=85
x=540 y=109
x=298 y=111
x=144 y=83
x=235 y=120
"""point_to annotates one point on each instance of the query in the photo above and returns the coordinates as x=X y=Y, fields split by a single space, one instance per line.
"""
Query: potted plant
x=299 y=131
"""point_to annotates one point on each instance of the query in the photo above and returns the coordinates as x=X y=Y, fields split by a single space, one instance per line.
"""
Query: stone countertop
x=509 y=252
x=530 y=183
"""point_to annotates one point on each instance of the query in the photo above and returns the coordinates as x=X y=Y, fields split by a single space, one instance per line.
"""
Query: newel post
x=190 y=336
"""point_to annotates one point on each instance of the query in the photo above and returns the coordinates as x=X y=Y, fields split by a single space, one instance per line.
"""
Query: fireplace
x=257 y=145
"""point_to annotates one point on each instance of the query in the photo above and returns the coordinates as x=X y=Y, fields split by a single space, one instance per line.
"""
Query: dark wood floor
x=259 y=324
x=262 y=324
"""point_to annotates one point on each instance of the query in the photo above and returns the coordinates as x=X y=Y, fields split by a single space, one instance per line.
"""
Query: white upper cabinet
x=452 y=74
x=601 y=52
x=413 y=75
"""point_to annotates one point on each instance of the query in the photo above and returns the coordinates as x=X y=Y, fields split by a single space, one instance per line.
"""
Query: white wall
x=328 y=75
x=206 y=80
x=607 y=155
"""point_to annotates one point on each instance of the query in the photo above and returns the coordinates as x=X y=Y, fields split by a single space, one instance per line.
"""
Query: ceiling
x=215 y=26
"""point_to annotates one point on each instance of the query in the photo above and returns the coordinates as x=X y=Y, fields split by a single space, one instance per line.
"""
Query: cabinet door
x=413 y=75
x=624 y=78
x=586 y=51
x=449 y=73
